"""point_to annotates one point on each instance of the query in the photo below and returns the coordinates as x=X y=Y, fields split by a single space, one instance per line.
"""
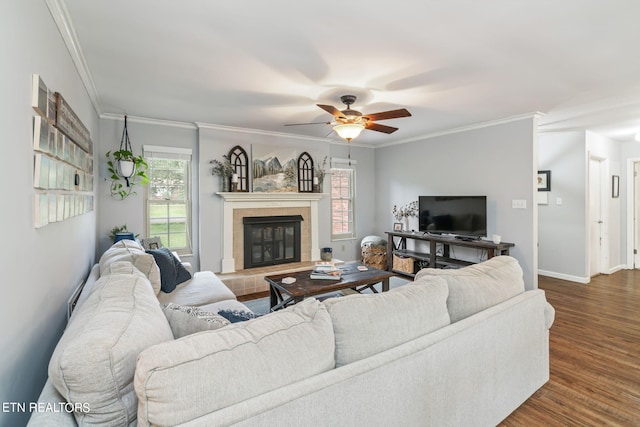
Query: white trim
x=463 y=129
x=149 y=121
x=630 y=214
x=563 y=276
x=335 y=161
x=167 y=150
x=62 y=19
x=201 y=125
x=617 y=268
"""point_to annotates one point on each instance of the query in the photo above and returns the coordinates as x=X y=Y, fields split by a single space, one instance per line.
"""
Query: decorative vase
x=225 y=183
x=406 y=223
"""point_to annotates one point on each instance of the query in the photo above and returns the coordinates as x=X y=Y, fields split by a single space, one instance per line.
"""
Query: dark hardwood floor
x=594 y=355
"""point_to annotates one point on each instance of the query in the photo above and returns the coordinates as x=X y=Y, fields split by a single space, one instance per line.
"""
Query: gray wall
x=496 y=161
x=365 y=196
x=562 y=238
x=130 y=211
x=563 y=228
x=41 y=267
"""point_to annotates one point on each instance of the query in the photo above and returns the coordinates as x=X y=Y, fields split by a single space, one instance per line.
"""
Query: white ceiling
x=262 y=64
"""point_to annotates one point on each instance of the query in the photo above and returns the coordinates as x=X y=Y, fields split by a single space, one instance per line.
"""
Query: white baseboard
x=617 y=268
x=563 y=276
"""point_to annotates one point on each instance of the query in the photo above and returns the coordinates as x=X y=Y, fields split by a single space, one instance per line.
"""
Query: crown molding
x=490 y=123
x=201 y=125
x=61 y=17
x=149 y=121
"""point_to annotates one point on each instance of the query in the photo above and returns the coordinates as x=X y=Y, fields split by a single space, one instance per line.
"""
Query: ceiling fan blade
x=311 y=123
x=380 y=128
x=331 y=110
x=391 y=114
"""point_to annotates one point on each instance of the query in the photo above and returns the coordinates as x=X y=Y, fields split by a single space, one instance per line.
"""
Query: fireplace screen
x=271 y=240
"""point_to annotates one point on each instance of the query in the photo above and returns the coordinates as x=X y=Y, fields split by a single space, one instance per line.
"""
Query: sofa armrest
x=51 y=418
x=188 y=267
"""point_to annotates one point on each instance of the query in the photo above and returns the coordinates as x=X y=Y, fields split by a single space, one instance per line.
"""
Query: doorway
x=598 y=208
x=636 y=214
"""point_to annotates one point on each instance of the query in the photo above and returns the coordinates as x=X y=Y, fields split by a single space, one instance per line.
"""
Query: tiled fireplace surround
x=237 y=206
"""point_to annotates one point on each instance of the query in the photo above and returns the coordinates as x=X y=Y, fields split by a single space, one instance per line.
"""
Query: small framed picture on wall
x=544 y=180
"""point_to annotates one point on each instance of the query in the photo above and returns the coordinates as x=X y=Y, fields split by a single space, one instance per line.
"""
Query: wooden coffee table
x=282 y=294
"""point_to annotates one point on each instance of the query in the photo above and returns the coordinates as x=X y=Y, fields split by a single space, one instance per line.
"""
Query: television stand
x=465 y=238
x=398 y=246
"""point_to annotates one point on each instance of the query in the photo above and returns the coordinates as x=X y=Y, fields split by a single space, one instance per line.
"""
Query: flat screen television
x=464 y=216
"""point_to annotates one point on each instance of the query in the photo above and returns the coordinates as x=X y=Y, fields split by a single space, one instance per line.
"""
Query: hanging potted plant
x=123 y=165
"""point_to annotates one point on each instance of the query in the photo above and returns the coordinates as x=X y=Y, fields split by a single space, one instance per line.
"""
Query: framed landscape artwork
x=274 y=169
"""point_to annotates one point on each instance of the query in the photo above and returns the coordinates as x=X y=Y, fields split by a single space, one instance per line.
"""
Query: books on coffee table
x=326 y=271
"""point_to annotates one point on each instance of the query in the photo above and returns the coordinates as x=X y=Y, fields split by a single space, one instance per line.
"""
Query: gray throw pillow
x=172 y=272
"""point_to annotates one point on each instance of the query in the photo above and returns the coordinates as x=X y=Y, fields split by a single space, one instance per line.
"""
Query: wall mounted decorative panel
x=63 y=159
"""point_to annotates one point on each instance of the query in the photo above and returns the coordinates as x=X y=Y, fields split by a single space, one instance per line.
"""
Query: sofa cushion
x=179 y=381
x=130 y=250
x=172 y=272
x=185 y=320
x=479 y=286
x=204 y=288
x=367 y=324
x=94 y=361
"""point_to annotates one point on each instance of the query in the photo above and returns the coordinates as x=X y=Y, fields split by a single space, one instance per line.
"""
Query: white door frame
x=630 y=207
x=604 y=207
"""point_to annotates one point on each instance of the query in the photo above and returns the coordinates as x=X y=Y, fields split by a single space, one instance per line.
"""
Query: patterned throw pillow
x=186 y=320
x=172 y=272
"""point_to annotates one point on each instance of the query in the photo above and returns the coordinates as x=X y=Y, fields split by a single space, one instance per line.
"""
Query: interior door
x=595 y=217
x=636 y=212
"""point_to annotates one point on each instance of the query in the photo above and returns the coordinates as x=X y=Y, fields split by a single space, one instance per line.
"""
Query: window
x=342 y=203
x=168 y=197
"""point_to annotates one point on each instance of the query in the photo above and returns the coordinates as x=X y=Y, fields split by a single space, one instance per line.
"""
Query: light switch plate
x=519 y=204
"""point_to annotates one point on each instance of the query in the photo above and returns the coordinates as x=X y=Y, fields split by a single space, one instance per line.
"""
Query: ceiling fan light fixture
x=348 y=131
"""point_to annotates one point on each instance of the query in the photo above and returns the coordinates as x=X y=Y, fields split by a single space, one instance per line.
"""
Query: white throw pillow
x=479 y=286
x=367 y=324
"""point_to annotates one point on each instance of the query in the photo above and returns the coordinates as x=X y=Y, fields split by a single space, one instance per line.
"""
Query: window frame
x=352 y=201
x=152 y=153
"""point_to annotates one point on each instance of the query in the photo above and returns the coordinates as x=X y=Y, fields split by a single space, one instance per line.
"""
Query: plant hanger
x=126 y=167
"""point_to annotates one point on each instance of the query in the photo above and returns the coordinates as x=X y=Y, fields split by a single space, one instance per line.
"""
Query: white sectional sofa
x=452 y=348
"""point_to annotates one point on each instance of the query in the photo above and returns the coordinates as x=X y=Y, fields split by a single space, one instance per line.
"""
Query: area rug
x=260 y=306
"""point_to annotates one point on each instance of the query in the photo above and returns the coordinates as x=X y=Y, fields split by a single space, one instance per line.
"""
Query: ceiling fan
x=349 y=123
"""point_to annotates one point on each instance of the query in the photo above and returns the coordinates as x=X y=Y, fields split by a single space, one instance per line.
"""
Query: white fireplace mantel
x=245 y=200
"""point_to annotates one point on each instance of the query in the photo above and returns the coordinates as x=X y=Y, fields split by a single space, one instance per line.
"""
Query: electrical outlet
x=558 y=201
x=519 y=204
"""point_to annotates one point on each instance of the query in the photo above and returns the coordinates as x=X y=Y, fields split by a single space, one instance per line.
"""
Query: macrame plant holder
x=126 y=167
